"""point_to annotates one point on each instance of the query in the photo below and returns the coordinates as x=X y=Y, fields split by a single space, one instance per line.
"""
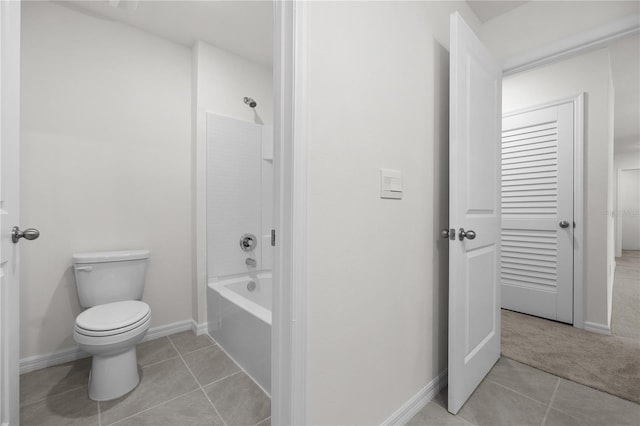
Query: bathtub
x=239 y=320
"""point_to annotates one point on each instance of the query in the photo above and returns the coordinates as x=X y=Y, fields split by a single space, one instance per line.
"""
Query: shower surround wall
x=236 y=195
x=239 y=178
x=220 y=81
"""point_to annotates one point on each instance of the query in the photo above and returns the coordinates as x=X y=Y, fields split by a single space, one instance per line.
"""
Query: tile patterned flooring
x=185 y=380
x=516 y=394
x=188 y=380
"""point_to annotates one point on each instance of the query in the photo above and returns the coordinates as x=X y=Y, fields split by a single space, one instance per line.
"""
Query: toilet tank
x=110 y=276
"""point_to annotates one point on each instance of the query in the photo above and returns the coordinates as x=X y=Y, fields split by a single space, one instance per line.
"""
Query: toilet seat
x=112 y=318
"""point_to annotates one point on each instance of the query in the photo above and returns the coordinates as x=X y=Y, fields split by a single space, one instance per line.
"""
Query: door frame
x=291 y=141
x=10 y=290
x=578 y=196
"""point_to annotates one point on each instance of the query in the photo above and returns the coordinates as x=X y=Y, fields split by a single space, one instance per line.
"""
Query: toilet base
x=113 y=376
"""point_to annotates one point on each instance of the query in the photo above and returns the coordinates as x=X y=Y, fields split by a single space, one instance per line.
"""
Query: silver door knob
x=28 y=234
x=564 y=224
x=448 y=234
x=471 y=235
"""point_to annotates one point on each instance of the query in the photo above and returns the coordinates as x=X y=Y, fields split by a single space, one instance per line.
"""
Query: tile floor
x=516 y=394
x=185 y=380
x=188 y=380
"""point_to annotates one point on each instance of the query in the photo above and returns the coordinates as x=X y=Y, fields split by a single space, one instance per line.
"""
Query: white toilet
x=110 y=284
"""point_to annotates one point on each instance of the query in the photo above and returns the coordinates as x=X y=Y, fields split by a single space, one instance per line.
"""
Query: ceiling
x=238 y=26
x=625 y=70
x=245 y=28
x=487 y=10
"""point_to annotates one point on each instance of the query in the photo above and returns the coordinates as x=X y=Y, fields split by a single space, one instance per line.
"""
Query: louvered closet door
x=537 y=194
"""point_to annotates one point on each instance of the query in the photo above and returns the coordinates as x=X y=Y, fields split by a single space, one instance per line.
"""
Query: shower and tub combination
x=239 y=210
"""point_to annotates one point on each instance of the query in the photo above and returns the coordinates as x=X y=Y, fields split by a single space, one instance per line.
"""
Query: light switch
x=390 y=184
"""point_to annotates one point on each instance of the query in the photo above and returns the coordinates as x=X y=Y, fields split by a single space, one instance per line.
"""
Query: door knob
x=29 y=234
x=564 y=224
x=471 y=235
x=448 y=234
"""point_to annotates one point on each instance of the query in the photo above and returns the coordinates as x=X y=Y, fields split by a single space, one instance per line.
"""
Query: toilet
x=110 y=285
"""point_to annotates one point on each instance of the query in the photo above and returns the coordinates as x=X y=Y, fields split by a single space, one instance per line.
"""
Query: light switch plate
x=390 y=184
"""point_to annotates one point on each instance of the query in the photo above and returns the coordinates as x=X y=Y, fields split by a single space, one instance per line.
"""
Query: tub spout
x=250 y=262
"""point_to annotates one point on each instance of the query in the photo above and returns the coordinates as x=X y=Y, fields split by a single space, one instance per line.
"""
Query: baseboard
x=199 y=329
x=418 y=401
x=597 y=327
x=167 y=329
x=37 y=362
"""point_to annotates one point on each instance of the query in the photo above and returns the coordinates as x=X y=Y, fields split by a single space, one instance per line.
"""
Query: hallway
x=625 y=316
x=610 y=363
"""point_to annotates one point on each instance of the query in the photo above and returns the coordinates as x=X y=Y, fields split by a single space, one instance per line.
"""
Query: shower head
x=250 y=102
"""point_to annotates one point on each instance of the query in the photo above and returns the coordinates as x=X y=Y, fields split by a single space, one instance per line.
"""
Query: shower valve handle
x=248 y=242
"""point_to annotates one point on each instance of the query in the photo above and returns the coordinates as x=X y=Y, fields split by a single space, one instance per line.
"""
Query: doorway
x=628 y=210
x=538 y=203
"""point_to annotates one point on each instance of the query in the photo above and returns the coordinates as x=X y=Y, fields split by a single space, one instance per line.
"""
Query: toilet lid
x=113 y=316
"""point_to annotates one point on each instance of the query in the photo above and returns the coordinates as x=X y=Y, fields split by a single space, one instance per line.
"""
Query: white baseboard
x=37 y=362
x=199 y=329
x=167 y=329
x=597 y=327
x=418 y=401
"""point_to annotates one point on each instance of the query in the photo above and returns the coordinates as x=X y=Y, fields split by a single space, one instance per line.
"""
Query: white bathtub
x=240 y=322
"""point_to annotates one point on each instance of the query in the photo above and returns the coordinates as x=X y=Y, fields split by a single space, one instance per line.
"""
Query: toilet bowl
x=110 y=333
x=110 y=285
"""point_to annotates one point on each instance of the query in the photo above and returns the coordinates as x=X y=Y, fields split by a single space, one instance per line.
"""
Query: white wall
x=105 y=164
x=590 y=74
x=220 y=82
x=234 y=184
x=630 y=208
x=622 y=161
x=627 y=160
x=539 y=23
x=377 y=274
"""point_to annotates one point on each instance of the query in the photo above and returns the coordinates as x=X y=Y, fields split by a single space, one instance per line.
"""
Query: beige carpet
x=608 y=363
x=625 y=315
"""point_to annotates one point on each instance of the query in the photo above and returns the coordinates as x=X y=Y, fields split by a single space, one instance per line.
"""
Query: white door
x=9 y=213
x=474 y=205
x=537 y=212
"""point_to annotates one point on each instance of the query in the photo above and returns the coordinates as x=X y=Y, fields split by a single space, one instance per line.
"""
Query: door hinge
x=273 y=237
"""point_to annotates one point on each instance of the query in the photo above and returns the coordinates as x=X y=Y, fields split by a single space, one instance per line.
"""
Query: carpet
x=625 y=316
x=608 y=363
